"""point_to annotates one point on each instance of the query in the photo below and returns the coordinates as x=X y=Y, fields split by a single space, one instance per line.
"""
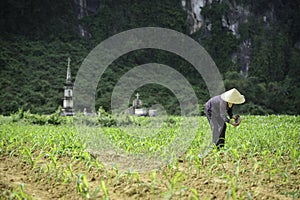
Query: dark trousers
x=218 y=128
x=221 y=140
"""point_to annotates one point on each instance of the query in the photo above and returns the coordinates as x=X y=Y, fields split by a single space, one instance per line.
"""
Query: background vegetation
x=37 y=37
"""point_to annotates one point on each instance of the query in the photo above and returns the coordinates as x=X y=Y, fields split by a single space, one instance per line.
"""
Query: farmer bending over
x=216 y=109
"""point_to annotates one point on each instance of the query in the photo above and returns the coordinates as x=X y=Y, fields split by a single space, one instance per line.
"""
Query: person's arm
x=223 y=109
x=230 y=113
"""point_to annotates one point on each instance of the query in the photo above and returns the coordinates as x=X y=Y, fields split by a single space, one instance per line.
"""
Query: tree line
x=37 y=38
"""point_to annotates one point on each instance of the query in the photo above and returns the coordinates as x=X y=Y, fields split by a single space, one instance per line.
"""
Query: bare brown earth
x=182 y=181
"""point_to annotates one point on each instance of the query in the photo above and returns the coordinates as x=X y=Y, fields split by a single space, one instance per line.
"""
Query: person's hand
x=235 y=116
x=237 y=120
x=234 y=124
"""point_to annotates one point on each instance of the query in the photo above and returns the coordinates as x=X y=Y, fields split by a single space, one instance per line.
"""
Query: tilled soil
x=208 y=179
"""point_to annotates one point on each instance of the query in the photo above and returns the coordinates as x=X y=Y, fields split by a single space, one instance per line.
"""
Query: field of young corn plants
x=261 y=160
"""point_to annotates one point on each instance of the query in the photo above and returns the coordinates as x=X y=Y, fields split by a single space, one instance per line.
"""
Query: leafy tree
x=37 y=37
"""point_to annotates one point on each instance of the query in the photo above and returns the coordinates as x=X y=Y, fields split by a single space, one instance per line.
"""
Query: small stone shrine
x=137 y=104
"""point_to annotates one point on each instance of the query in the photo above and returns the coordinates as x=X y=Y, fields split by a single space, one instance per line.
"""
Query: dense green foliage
x=37 y=38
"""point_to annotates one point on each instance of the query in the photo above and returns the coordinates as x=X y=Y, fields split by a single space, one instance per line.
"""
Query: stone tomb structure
x=68 y=105
x=137 y=108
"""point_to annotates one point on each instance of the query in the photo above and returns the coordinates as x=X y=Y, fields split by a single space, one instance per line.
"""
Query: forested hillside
x=261 y=59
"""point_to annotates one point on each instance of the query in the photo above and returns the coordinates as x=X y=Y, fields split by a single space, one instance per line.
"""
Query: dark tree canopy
x=37 y=37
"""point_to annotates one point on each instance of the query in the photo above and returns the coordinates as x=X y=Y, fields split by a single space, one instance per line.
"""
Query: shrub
x=105 y=119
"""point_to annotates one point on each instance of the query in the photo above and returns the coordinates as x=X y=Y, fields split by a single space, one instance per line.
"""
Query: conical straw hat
x=233 y=96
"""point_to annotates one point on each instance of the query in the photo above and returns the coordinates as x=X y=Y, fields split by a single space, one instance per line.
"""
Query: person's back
x=216 y=110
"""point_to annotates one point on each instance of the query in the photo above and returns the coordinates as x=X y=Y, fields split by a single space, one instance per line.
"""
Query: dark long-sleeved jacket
x=218 y=108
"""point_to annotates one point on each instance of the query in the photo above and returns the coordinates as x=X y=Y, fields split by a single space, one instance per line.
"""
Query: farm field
x=261 y=160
